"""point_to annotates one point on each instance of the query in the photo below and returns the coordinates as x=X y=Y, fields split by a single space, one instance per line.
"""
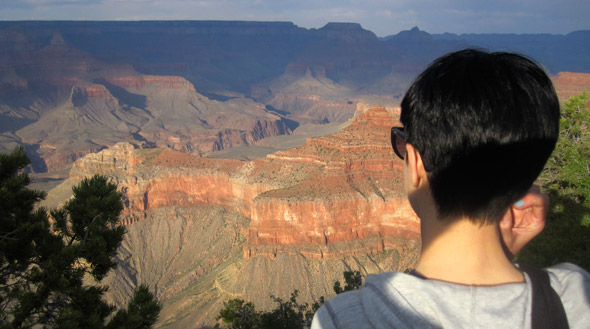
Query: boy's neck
x=464 y=252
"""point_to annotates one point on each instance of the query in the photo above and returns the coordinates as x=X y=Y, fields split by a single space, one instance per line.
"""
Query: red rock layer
x=568 y=84
x=154 y=178
x=323 y=222
x=81 y=94
x=136 y=82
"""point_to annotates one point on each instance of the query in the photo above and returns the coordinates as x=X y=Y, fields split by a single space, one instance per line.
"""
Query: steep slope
x=355 y=195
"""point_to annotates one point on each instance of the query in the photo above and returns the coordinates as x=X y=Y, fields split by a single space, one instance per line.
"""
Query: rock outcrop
x=81 y=94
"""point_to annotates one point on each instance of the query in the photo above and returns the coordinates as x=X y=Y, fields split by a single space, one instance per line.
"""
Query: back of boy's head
x=484 y=124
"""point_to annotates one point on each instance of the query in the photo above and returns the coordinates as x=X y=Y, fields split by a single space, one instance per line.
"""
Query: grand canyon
x=253 y=157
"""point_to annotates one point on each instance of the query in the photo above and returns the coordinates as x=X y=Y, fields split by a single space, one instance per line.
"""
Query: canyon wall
x=165 y=111
x=202 y=231
x=341 y=187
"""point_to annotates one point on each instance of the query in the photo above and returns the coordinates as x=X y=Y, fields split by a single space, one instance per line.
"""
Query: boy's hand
x=524 y=220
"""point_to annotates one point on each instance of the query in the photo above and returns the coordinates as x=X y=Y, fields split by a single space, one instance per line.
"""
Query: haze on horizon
x=383 y=17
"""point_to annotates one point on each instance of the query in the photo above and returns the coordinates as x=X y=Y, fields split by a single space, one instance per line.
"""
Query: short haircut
x=485 y=125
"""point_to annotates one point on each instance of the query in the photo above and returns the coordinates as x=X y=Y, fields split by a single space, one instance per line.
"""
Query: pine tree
x=47 y=260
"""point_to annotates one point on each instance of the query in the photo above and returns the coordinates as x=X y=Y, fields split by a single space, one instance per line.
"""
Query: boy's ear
x=416 y=166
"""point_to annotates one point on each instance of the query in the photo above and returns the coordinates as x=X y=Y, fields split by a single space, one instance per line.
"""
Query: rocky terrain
x=201 y=231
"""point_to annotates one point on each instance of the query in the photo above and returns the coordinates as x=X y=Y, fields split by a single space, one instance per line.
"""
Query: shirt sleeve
x=323 y=319
x=572 y=284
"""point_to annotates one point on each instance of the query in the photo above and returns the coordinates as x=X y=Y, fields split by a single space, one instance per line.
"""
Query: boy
x=478 y=129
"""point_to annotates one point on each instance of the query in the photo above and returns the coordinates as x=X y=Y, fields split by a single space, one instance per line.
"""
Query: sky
x=383 y=17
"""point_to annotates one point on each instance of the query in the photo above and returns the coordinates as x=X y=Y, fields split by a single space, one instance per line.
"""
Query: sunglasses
x=398 y=142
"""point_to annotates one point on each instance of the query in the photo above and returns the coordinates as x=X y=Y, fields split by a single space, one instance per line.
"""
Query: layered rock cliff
x=184 y=120
x=355 y=195
x=63 y=104
x=135 y=83
x=336 y=188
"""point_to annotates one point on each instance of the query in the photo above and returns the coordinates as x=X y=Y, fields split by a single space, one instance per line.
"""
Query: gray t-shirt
x=398 y=300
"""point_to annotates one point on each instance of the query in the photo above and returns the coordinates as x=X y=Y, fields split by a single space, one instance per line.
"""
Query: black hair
x=485 y=125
